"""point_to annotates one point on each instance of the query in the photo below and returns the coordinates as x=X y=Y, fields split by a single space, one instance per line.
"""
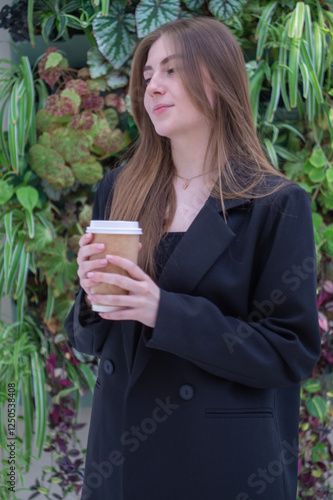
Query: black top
x=165 y=249
x=162 y=254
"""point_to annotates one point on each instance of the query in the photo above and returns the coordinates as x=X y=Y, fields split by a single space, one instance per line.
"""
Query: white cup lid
x=114 y=227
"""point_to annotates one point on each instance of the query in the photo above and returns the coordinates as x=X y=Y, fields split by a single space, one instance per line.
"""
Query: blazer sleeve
x=278 y=342
x=85 y=329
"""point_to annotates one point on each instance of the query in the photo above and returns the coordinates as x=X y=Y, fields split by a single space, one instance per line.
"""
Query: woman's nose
x=156 y=85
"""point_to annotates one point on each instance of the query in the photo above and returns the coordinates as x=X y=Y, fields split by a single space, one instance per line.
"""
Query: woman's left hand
x=143 y=297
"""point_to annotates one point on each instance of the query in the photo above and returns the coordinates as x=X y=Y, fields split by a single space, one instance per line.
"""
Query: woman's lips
x=160 y=108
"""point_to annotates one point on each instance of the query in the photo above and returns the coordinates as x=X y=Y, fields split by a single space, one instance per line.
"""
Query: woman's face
x=166 y=100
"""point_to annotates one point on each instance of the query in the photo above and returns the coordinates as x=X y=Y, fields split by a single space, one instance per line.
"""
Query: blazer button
x=186 y=392
x=108 y=366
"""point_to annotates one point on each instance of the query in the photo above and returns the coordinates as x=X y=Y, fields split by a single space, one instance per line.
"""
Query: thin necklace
x=187 y=181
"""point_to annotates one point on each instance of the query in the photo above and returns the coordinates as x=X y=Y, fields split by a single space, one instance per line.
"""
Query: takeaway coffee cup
x=120 y=238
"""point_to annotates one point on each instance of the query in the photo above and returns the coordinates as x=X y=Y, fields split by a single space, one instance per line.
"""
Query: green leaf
x=4 y=151
x=263 y=27
x=312 y=385
x=53 y=59
x=105 y=6
x=224 y=9
x=317 y=221
x=38 y=375
x=6 y=192
x=30 y=16
x=47 y=26
x=275 y=93
x=292 y=129
x=286 y=154
x=22 y=275
x=305 y=78
x=318 y=158
x=61 y=26
x=64 y=393
x=28 y=197
x=42 y=490
x=319 y=452
x=329 y=174
x=317 y=175
x=311 y=70
x=305 y=186
x=307 y=167
x=14 y=263
x=327 y=201
x=30 y=219
x=43 y=237
x=49 y=304
x=12 y=128
x=9 y=228
x=283 y=64
x=328 y=235
x=59 y=271
x=150 y=14
x=255 y=84
x=27 y=398
x=297 y=21
x=56 y=480
x=317 y=407
x=21 y=123
x=294 y=56
x=317 y=473
x=319 y=42
x=90 y=378
x=113 y=34
x=271 y=153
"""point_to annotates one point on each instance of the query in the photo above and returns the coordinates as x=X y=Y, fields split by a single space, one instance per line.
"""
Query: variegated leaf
x=116 y=79
x=98 y=65
x=113 y=34
x=185 y=14
x=224 y=9
x=193 y=4
x=150 y=14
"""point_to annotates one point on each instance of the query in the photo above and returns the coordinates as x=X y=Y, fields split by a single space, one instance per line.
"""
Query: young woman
x=197 y=396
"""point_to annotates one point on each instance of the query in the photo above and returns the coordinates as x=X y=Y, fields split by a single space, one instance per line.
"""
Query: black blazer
x=205 y=406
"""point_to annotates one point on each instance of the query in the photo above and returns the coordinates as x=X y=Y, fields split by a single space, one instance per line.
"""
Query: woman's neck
x=189 y=156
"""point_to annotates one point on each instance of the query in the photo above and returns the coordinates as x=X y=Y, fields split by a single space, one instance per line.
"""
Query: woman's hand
x=141 y=303
x=87 y=249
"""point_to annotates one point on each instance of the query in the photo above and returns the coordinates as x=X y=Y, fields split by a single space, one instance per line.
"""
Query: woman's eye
x=146 y=80
x=170 y=71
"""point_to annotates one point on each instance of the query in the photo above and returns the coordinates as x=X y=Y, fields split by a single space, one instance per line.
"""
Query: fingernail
x=90 y=275
x=104 y=261
x=100 y=245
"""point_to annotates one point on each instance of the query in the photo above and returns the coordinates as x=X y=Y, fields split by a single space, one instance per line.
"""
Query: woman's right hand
x=87 y=249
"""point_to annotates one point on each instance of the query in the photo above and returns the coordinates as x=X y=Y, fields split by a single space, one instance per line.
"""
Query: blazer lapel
x=205 y=240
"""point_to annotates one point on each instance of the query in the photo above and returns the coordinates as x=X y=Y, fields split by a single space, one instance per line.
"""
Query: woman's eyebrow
x=164 y=61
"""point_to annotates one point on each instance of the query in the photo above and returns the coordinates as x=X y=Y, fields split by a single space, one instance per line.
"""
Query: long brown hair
x=144 y=189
